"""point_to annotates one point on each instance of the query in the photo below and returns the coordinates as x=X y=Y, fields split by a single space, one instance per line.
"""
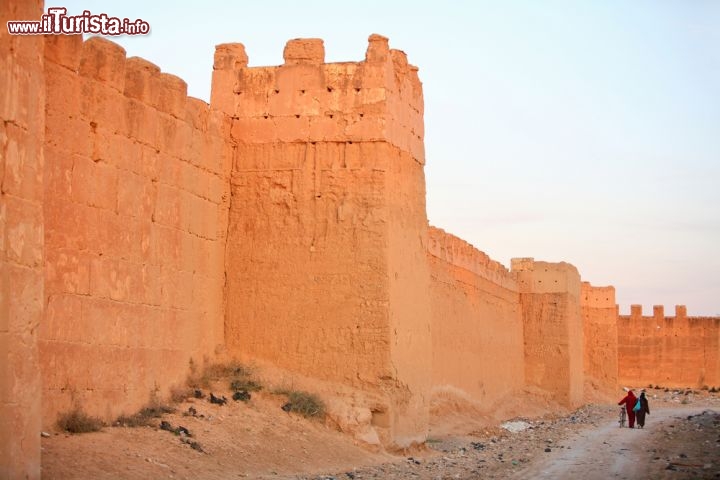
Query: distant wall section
x=553 y=328
x=600 y=317
x=677 y=351
x=477 y=328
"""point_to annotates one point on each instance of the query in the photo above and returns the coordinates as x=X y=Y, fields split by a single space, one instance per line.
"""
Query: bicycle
x=623 y=413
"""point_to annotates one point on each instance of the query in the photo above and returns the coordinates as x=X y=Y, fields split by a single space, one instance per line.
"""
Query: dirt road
x=258 y=440
x=610 y=452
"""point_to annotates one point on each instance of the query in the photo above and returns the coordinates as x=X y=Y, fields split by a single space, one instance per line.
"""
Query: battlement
x=307 y=100
x=460 y=253
x=546 y=277
x=597 y=297
x=636 y=313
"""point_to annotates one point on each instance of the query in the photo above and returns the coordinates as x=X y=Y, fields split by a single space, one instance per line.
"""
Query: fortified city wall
x=22 y=127
x=326 y=242
x=144 y=234
x=136 y=203
x=677 y=351
x=477 y=326
x=599 y=313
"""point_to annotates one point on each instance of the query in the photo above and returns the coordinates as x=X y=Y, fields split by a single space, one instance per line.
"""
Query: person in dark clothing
x=644 y=410
x=629 y=401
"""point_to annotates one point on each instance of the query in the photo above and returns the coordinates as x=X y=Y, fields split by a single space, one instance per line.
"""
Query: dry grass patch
x=77 y=421
x=145 y=416
x=306 y=404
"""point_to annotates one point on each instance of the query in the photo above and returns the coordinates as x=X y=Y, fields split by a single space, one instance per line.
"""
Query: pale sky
x=578 y=131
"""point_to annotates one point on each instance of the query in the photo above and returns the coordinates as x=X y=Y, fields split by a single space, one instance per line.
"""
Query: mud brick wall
x=552 y=328
x=677 y=351
x=600 y=315
x=477 y=329
x=22 y=103
x=136 y=201
x=326 y=260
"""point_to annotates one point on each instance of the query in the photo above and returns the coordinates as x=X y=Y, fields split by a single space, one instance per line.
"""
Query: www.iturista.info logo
x=57 y=22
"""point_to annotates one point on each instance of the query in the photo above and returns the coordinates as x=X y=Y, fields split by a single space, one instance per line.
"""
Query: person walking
x=629 y=401
x=644 y=410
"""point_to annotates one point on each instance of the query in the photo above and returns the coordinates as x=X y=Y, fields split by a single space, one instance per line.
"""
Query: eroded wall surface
x=136 y=177
x=552 y=328
x=677 y=351
x=600 y=315
x=22 y=102
x=477 y=328
x=326 y=244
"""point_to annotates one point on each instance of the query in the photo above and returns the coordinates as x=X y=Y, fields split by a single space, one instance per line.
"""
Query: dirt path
x=259 y=440
x=607 y=451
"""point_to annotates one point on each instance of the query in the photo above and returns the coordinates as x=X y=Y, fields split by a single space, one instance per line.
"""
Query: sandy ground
x=257 y=439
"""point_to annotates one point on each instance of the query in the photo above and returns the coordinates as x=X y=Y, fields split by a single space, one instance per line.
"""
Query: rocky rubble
x=491 y=453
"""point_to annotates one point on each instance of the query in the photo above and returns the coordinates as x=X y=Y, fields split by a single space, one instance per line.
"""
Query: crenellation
x=103 y=61
x=140 y=79
x=304 y=51
x=64 y=51
x=307 y=99
x=378 y=49
x=460 y=253
x=230 y=56
x=172 y=95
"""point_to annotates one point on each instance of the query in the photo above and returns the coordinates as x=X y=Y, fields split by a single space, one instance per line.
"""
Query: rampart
x=553 y=328
x=677 y=351
x=22 y=126
x=477 y=326
x=136 y=202
x=144 y=233
x=600 y=313
x=326 y=239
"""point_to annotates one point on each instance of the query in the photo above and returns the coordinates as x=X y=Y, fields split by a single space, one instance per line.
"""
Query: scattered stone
x=480 y=446
x=193 y=444
x=548 y=450
x=199 y=394
x=287 y=407
x=516 y=426
x=217 y=400
x=166 y=426
x=241 y=395
x=44 y=434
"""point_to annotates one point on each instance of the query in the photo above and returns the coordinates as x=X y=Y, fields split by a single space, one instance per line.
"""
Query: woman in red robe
x=629 y=400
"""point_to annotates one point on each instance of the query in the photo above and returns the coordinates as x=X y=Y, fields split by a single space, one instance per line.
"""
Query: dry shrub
x=245 y=384
x=77 y=421
x=215 y=372
x=306 y=404
x=180 y=394
x=239 y=375
x=145 y=416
